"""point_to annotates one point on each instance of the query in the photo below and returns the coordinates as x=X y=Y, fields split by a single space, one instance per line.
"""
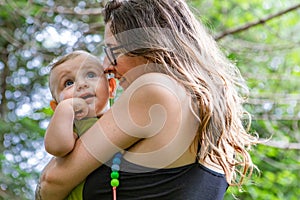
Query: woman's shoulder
x=157 y=78
x=148 y=103
x=151 y=92
x=158 y=85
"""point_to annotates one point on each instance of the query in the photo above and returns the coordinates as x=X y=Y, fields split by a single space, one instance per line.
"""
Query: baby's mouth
x=87 y=96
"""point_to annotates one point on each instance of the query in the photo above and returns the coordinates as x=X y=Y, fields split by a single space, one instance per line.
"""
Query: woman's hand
x=61 y=175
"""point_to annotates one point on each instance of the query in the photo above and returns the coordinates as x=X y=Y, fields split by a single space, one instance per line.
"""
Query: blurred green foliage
x=33 y=33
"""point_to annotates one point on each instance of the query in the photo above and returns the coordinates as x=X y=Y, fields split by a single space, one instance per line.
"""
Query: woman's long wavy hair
x=166 y=32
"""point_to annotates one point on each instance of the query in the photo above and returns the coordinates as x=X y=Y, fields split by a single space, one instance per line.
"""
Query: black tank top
x=189 y=182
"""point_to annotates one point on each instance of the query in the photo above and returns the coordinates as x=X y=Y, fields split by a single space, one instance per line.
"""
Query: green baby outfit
x=80 y=127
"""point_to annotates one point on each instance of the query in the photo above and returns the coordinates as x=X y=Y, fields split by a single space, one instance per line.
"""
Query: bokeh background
x=261 y=36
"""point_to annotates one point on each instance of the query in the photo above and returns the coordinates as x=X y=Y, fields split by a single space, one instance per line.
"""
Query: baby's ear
x=112 y=87
x=53 y=104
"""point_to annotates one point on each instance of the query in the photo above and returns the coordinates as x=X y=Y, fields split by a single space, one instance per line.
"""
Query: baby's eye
x=91 y=75
x=68 y=83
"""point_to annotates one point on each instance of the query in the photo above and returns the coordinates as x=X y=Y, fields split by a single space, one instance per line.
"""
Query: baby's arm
x=59 y=137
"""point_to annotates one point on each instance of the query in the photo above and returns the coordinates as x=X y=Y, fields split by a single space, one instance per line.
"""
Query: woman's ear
x=112 y=87
x=53 y=104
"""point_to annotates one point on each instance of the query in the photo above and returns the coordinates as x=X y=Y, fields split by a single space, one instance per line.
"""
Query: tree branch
x=71 y=11
x=3 y=84
x=255 y=23
x=9 y=37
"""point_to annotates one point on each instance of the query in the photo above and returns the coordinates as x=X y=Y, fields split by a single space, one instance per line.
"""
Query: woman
x=178 y=122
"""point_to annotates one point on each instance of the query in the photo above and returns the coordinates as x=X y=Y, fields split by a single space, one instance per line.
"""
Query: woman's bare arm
x=61 y=175
x=114 y=131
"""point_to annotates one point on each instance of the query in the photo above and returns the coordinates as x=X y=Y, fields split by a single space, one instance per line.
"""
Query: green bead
x=114 y=175
x=114 y=182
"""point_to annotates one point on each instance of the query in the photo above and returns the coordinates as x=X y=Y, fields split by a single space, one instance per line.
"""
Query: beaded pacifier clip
x=115 y=168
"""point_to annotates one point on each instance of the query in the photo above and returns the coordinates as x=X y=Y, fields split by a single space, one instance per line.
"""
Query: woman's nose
x=108 y=68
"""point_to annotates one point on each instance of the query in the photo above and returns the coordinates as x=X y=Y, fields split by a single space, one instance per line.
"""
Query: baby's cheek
x=91 y=111
x=102 y=106
x=66 y=94
x=61 y=97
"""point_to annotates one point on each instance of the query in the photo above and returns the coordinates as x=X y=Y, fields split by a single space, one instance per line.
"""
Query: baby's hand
x=80 y=107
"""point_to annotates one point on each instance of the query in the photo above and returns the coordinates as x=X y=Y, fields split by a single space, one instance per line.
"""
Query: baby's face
x=81 y=77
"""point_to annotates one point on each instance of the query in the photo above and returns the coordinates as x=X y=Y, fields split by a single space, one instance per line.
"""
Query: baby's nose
x=81 y=84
